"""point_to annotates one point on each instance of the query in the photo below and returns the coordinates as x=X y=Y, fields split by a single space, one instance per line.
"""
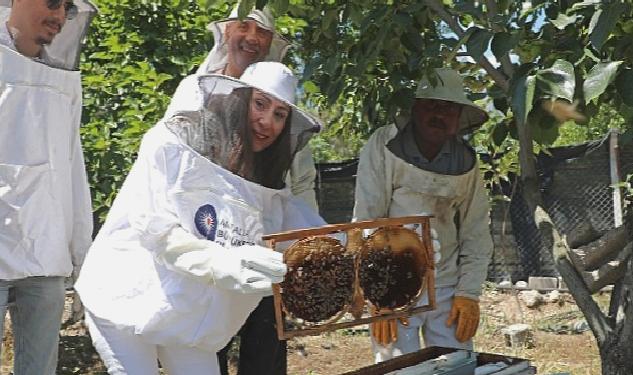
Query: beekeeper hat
x=275 y=79
x=65 y=50
x=449 y=86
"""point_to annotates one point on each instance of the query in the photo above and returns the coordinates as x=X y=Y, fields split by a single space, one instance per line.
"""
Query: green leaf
x=523 y=98
x=499 y=133
x=557 y=82
x=261 y=3
x=598 y=79
x=503 y=43
x=624 y=84
x=246 y=6
x=563 y=20
x=606 y=21
x=478 y=43
x=280 y=6
x=310 y=87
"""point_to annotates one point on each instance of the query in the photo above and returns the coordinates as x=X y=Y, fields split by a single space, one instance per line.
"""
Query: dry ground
x=347 y=350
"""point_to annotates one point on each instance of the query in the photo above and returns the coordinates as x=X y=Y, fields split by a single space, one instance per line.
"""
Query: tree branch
x=624 y=315
x=497 y=76
x=596 y=319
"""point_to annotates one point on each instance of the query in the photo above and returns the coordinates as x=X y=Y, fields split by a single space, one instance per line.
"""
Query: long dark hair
x=267 y=167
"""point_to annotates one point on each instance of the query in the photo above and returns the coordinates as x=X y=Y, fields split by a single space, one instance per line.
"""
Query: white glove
x=245 y=269
x=437 y=247
x=249 y=269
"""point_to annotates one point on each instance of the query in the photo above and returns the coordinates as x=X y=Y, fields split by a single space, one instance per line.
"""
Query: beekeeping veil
x=65 y=50
x=219 y=130
x=218 y=56
x=448 y=85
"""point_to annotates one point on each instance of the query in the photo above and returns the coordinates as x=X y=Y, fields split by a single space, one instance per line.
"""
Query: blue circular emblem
x=206 y=221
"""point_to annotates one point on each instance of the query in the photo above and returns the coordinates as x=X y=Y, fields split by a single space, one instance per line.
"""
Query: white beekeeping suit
x=46 y=226
x=173 y=263
x=389 y=183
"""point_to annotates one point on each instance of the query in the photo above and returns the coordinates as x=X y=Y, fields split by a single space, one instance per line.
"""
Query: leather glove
x=245 y=269
x=465 y=312
x=386 y=331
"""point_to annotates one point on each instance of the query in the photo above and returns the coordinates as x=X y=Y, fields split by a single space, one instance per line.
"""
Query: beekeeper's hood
x=448 y=85
x=220 y=130
x=65 y=50
x=217 y=58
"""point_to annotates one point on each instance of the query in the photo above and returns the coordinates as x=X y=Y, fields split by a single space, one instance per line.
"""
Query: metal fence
x=576 y=186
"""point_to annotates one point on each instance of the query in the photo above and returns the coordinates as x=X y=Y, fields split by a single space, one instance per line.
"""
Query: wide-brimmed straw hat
x=276 y=80
x=449 y=86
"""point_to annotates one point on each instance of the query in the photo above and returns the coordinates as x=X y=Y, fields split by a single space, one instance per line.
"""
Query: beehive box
x=330 y=286
x=408 y=363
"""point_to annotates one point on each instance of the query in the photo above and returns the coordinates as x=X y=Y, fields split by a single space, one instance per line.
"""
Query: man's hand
x=77 y=306
x=465 y=312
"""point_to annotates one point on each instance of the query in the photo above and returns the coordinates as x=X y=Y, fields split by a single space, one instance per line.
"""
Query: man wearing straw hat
x=423 y=165
x=45 y=209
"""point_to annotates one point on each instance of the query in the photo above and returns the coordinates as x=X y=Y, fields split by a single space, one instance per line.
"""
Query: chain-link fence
x=576 y=187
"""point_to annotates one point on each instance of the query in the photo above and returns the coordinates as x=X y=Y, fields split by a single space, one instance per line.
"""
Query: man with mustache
x=238 y=44
x=424 y=166
x=45 y=208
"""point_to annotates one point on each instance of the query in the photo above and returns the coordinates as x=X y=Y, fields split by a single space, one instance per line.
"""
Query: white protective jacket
x=45 y=208
x=387 y=186
x=125 y=279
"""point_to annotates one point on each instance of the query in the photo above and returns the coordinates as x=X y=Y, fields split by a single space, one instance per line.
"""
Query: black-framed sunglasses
x=69 y=7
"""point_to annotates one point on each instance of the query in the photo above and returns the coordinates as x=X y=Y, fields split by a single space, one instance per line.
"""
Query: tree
x=526 y=57
x=360 y=61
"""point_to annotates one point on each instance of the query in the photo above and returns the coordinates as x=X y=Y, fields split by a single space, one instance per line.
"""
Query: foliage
x=360 y=60
x=134 y=57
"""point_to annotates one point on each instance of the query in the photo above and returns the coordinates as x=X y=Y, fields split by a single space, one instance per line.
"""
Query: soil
x=556 y=346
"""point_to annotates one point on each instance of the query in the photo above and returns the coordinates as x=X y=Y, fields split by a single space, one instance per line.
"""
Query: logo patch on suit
x=206 y=221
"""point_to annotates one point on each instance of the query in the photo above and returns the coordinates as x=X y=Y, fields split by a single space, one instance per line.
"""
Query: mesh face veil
x=220 y=131
x=65 y=50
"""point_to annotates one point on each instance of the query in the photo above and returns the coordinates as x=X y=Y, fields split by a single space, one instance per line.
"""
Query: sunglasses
x=69 y=7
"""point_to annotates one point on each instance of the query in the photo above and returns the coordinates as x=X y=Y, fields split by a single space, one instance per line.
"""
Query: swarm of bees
x=392 y=267
x=326 y=279
x=319 y=283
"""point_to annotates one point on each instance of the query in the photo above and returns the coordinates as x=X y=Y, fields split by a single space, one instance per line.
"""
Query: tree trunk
x=617 y=357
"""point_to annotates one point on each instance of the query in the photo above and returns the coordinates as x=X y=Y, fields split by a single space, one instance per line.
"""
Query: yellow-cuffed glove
x=465 y=312
x=386 y=331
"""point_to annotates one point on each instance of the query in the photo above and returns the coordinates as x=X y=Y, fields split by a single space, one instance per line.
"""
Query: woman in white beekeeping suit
x=179 y=262
x=239 y=43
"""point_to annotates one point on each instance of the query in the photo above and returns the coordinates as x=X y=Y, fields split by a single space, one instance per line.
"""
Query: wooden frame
x=424 y=222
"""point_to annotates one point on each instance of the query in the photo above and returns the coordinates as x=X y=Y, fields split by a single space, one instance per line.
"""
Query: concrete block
x=540 y=283
x=518 y=336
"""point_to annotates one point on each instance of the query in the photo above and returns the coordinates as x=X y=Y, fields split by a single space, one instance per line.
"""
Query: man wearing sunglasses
x=34 y=24
x=423 y=165
x=45 y=208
